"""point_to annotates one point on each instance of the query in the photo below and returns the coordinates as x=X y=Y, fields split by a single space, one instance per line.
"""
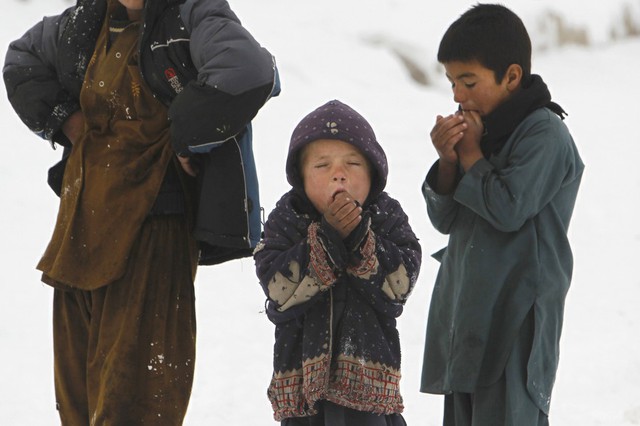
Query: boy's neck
x=134 y=15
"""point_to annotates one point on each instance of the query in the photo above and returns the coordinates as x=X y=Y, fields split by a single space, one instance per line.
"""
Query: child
x=125 y=85
x=504 y=189
x=337 y=263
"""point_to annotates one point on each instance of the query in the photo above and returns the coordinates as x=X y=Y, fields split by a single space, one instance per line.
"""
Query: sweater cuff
x=318 y=257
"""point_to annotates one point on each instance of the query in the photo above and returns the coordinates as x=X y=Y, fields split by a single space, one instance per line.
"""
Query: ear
x=513 y=77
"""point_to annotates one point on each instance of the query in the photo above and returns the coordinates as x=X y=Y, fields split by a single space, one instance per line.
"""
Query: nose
x=458 y=94
x=339 y=174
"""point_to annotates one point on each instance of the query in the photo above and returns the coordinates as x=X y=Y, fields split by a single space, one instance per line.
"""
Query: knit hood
x=338 y=121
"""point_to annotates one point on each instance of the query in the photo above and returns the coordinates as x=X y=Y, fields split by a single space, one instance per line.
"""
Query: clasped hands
x=456 y=138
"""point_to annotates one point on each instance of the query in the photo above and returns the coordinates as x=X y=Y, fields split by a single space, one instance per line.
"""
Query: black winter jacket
x=199 y=60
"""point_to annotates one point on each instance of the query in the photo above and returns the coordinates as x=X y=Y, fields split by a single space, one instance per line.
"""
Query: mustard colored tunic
x=114 y=172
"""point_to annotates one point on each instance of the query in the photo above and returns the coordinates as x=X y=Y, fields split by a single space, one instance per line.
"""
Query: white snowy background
x=361 y=52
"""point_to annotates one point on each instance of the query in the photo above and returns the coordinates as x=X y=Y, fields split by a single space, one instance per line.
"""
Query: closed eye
x=467 y=85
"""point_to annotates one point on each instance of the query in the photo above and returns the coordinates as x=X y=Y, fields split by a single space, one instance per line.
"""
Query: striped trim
x=354 y=383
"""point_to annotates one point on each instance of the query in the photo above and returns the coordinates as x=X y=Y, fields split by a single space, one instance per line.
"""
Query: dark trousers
x=505 y=403
x=124 y=354
x=330 y=414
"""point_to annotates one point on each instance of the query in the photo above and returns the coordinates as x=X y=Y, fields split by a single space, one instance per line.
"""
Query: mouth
x=336 y=192
x=461 y=108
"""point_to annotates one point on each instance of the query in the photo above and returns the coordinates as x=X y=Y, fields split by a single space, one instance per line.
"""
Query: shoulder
x=290 y=211
x=195 y=12
x=542 y=129
x=386 y=203
x=386 y=210
x=543 y=119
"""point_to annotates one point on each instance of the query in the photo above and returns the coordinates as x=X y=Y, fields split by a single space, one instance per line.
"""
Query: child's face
x=332 y=166
x=475 y=88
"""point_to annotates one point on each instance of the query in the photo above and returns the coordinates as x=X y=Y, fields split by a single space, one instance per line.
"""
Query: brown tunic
x=114 y=171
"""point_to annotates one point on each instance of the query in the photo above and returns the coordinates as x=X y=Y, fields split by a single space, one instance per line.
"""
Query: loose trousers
x=124 y=354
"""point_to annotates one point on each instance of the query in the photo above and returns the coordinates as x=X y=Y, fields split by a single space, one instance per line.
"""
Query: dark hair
x=492 y=35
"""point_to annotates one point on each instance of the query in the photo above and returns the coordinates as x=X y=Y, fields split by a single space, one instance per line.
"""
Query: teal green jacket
x=508 y=254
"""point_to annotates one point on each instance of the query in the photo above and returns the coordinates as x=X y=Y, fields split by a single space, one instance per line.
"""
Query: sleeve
x=32 y=83
x=291 y=264
x=442 y=209
x=388 y=260
x=536 y=169
x=236 y=76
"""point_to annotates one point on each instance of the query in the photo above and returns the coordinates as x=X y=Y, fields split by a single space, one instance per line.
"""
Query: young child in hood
x=337 y=263
x=503 y=189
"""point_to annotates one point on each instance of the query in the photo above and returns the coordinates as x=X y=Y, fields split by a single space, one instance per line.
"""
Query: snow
x=351 y=51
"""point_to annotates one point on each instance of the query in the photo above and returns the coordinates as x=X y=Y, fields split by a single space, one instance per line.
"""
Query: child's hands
x=468 y=147
x=446 y=134
x=343 y=214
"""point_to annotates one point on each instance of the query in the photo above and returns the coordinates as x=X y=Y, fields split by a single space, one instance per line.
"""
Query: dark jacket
x=335 y=306
x=508 y=256
x=197 y=59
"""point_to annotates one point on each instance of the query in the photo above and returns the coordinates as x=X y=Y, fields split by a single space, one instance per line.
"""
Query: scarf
x=501 y=122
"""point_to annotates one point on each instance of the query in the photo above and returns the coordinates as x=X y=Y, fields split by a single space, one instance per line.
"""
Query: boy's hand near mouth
x=344 y=213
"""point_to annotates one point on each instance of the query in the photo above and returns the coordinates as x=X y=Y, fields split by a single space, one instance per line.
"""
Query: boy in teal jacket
x=503 y=189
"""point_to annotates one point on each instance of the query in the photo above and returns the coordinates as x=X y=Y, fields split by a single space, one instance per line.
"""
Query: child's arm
x=442 y=209
x=540 y=161
x=236 y=77
x=291 y=264
x=32 y=83
x=445 y=135
x=388 y=260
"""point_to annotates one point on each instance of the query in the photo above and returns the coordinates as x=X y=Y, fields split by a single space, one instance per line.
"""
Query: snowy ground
x=349 y=50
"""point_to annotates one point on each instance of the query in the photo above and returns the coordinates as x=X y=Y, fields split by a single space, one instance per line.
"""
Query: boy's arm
x=236 y=76
x=539 y=164
x=32 y=83
x=442 y=208
x=387 y=261
x=291 y=264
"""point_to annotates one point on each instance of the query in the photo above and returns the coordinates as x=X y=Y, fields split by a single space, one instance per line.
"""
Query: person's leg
x=337 y=415
x=70 y=334
x=142 y=341
x=520 y=408
x=508 y=402
x=457 y=409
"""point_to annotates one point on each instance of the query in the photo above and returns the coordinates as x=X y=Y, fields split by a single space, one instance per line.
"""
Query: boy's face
x=331 y=166
x=475 y=88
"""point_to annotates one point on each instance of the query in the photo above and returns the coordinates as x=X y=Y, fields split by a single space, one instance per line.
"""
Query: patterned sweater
x=335 y=304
